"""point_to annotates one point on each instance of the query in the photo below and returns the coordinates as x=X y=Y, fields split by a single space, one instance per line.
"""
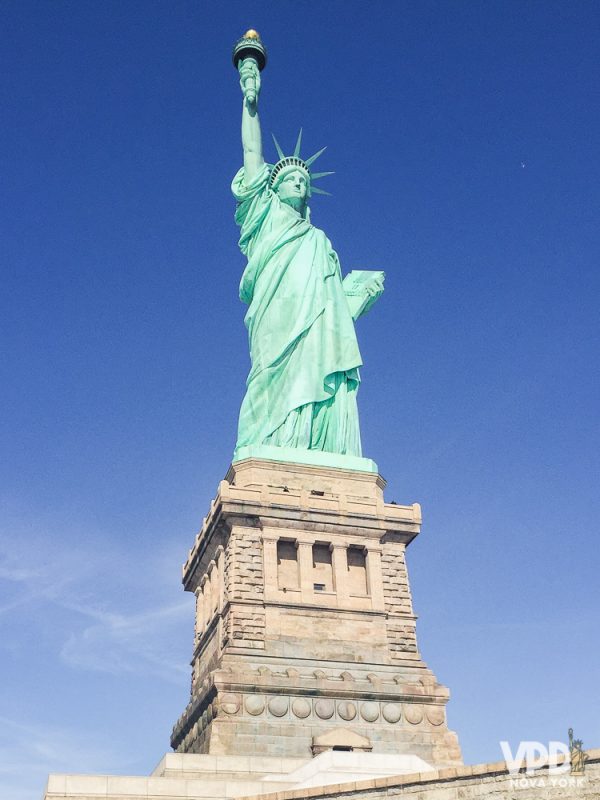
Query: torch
x=250 y=46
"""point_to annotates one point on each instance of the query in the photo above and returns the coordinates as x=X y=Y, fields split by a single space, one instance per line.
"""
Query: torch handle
x=249 y=80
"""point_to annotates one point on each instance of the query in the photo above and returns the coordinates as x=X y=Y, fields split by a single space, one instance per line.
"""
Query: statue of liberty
x=304 y=376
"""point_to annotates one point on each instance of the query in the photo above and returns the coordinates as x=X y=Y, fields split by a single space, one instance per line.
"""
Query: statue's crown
x=295 y=161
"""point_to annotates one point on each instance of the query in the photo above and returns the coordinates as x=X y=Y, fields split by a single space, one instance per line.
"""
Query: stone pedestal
x=305 y=634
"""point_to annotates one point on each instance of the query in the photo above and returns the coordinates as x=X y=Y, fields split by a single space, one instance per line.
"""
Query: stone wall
x=394 y=576
x=479 y=782
x=401 y=625
x=218 y=777
x=245 y=586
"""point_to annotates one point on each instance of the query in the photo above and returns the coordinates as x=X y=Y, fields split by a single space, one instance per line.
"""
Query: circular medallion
x=255 y=704
x=435 y=714
x=413 y=713
x=324 y=709
x=346 y=710
x=278 y=706
x=391 y=712
x=230 y=703
x=301 y=707
x=369 y=711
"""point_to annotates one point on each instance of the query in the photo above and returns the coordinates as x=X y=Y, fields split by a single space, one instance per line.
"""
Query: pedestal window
x=357 y=571
x=322 y=568
x=287 y=565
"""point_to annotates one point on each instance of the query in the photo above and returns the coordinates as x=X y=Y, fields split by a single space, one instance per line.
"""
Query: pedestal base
x=341 y=775
x=315 y=458
x=186 y=776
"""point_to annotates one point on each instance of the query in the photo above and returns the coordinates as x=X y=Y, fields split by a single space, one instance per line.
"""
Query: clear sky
x=465 y=140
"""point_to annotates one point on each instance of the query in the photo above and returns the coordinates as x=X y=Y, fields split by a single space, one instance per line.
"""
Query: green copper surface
x=300 y=402
x=295 y=455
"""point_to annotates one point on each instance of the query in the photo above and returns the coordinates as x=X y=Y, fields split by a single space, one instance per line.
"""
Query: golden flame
x=252 y=34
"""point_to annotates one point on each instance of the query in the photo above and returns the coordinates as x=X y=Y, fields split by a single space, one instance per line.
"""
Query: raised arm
x=251 y=136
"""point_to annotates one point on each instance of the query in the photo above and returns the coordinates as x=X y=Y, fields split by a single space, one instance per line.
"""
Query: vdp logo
x=535 y=756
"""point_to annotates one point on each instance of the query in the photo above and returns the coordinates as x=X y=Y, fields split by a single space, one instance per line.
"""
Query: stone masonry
x=305 y=634
x=479 y=782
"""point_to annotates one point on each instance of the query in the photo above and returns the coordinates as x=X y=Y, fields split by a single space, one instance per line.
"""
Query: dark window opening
x=287 y=565
x=357 y=570
x=322 y=567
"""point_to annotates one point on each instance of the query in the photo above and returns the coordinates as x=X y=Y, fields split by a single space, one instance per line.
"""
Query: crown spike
x=312 y=159
x=277 y=147
x=315 y=175
x=316 y=190
x=298 y=143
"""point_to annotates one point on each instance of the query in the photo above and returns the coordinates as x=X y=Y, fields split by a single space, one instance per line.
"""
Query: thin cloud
x=18 y=574
x=128 y=644
x=86 y=581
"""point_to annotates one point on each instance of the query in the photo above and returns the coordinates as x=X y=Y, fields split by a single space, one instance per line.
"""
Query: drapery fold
x=301 y=390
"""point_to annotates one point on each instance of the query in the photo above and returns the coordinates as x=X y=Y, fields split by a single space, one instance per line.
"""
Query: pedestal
x=305 y=635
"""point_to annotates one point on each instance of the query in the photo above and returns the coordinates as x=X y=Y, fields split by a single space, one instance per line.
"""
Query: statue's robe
x=301 y=390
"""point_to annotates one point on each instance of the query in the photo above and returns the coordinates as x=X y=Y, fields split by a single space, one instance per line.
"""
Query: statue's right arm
x=251 y=135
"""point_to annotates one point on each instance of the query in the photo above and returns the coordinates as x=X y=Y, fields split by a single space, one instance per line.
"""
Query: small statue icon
x=578 y=757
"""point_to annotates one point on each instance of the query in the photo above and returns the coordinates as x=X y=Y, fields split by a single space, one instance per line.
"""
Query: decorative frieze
x=323 y=708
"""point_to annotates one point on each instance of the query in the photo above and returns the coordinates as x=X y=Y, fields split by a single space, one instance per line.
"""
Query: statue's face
x=293 y=189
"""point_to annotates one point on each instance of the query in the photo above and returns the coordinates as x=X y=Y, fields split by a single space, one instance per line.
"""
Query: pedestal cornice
x=283 y=505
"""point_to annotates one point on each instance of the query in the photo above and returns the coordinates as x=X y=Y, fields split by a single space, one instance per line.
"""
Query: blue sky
x=464 y=137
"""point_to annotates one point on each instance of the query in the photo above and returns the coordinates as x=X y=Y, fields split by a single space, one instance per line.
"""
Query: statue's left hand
x=362 y=287
x=374 y=288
